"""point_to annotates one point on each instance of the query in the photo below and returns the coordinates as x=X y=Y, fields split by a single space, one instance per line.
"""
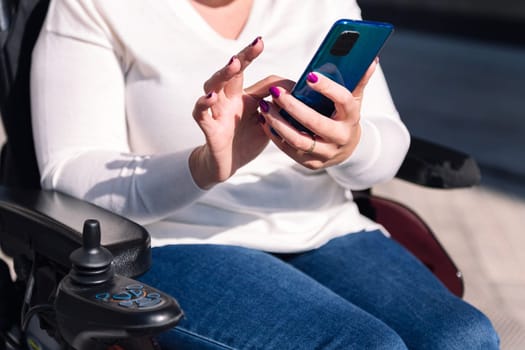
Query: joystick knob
x=91 y=263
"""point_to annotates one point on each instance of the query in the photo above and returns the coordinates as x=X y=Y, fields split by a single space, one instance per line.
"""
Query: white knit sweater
x=113 y=88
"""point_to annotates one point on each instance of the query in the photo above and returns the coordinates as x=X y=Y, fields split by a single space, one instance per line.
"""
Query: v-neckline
x=192 y=17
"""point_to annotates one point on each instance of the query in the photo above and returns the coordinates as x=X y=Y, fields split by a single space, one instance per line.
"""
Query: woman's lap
x=241 y=298
x=378 y=275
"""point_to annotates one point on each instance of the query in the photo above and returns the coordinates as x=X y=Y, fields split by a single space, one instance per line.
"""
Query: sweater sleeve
x=383 y=144
x=79 y=122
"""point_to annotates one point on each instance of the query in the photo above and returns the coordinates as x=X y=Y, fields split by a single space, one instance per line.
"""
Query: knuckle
x=209 y=84
x=295 y=142
x=348 y=100
x=341 y=138
x=313 y=164
x=197 y=115
x=316 y=123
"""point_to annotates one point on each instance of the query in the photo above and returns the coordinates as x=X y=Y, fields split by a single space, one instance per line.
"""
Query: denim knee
x=367 y=333
x=478 y=333
x=470 y=330
x=178 y=338
x=370 y=337
x=387 y=339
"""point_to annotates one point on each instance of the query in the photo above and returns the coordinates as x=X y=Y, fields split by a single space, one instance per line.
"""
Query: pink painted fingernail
x=312 y=77
x=255 y=41
x=209 y=95
x=265 y=107
x=231 y=60
x=274 y=91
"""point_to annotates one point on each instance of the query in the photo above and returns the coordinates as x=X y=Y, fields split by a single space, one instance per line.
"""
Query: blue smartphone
x=344 y=56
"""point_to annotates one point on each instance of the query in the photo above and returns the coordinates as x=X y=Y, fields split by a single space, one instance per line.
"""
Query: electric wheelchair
x=75 y=262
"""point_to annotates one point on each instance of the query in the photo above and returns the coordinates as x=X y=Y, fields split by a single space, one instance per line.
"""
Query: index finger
x=339 y=94
x=236 y=65
x=250 y=52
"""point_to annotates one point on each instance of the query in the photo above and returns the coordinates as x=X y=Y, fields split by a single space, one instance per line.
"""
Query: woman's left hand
x=334 y=138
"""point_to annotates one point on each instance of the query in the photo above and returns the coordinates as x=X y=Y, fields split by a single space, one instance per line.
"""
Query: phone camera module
x=344 y=43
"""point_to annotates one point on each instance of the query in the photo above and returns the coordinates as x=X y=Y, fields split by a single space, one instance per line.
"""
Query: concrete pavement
x=469 y=95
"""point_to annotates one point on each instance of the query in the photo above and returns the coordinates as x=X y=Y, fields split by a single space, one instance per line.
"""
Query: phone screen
x=344 y=56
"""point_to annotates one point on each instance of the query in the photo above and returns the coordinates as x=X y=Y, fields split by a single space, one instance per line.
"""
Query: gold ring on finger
x=312 y=146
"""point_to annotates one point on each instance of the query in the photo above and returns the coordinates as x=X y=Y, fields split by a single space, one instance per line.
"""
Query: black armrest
x=432 y=165
x=50 y=224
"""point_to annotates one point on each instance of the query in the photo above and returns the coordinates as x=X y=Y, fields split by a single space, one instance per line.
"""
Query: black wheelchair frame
x=59 y=256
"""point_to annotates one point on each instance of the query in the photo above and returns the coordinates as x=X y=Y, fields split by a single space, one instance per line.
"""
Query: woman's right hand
x=227 y=114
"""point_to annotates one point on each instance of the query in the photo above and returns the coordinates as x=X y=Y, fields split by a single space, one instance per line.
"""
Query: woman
x=254 y=231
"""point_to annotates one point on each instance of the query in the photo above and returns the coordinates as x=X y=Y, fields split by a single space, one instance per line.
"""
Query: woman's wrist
x=200 y=169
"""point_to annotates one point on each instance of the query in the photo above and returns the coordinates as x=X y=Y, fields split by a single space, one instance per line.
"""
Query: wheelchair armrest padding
x=50 y=224
x=432 y=165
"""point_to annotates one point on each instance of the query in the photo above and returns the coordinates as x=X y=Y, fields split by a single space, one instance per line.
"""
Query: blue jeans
x=360 y=291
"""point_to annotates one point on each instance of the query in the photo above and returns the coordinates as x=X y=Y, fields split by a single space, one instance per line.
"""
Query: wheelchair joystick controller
x=92 y=263
x=93 y=303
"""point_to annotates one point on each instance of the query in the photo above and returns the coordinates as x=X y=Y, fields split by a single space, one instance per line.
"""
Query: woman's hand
x=228 y=116
x=334 y=138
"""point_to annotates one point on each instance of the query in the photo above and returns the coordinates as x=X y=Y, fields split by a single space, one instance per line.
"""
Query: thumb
x=358 y=91
x=261 y=89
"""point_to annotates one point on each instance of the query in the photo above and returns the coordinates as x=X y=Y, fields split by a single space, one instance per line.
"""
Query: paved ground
x=482 y=230
x=469 y=95
x=462 y=93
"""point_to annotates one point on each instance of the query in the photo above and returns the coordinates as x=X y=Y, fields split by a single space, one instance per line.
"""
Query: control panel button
x=147 y=302
x=122 y=296
x=127 y=304
x=102 y=296
x=134 y=296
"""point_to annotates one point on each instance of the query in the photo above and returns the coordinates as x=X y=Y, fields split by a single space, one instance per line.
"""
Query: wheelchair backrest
x=20 y=24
